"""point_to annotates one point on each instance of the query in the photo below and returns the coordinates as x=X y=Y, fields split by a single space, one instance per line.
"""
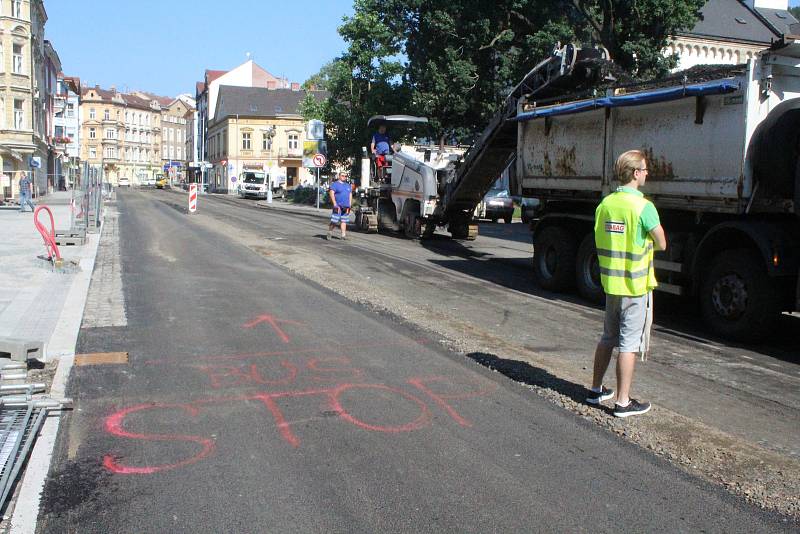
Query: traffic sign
x=319 y=160
x=173 y=172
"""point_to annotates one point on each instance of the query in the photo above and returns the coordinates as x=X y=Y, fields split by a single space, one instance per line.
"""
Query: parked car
x=124 y=182
x=497 y=204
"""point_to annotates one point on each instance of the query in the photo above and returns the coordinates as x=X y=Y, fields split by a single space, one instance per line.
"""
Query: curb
x=62 y=347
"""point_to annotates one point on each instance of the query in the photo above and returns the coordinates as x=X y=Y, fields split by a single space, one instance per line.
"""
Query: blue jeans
x=25 y=200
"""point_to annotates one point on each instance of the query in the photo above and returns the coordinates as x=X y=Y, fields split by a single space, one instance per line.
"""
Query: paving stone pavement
x=32 y=296
x=105 y=304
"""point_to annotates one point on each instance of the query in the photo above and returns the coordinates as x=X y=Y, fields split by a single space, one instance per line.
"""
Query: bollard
x=192 y=198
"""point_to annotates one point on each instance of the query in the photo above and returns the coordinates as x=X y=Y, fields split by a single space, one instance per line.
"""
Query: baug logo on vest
x=614 y=227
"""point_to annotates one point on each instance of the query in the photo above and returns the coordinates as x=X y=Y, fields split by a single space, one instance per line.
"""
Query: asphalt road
x=256 y=402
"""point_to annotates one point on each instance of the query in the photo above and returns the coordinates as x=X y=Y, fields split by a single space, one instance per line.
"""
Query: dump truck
x=722 y=144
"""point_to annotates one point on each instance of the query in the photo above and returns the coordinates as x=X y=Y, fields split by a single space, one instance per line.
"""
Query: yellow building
x=256 y=128
x=122 y=134
x=23 y=94
x=174 y=130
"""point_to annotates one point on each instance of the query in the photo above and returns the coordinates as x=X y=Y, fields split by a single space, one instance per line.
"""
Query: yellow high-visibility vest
x=626 y=268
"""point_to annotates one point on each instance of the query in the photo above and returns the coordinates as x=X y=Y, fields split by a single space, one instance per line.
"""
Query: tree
x=795 y=11
x=455 y=61
x=636 y=32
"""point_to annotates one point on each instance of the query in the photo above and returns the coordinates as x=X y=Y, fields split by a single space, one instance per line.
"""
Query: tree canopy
x=454 y=61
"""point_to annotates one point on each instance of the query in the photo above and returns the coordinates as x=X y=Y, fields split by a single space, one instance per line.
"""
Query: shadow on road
x=533 y=376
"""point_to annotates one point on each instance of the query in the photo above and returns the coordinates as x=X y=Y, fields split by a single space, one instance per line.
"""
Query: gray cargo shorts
x=627 y=323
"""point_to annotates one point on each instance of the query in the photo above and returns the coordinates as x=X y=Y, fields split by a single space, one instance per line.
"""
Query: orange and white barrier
x=192 y=198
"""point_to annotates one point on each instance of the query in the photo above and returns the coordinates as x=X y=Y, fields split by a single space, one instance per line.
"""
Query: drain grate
x=102 y=358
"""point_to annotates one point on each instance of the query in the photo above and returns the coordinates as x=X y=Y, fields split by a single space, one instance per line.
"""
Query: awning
x=635 y=99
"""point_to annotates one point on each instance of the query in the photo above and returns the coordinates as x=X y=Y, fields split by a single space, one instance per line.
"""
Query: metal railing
x=87 y=200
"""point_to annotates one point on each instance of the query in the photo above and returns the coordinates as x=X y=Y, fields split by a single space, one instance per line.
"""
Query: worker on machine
x=381 y=147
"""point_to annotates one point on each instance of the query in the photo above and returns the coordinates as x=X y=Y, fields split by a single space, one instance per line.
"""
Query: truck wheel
x=410 y=226
x=554 y=259
x=738 y=299
x=587 y=271
x=508 y=218
x=494 y=219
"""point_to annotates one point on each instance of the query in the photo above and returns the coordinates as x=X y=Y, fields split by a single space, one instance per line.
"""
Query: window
x=59 y=131
x=246 y=141
x=294 y=141
x=19 y=114
x=111 y=133
x=16 y=9
x=17 y=65
x=2 y=60
x=171 y=152
x=93 y=152
x=111 y=152
x=178 y=135
x=106 y=114
x=164 y=154
x=70 y=110
x=128 y=154
x=92 y=133
x=177 y=152
x=92 y=114
x=127 y=117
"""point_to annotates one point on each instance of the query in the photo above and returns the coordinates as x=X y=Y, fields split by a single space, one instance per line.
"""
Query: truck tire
x=587 y=271
x=738 y=299
x=554 y=254
x=411 y=226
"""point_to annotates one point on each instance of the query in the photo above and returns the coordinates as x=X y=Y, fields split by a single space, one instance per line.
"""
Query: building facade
x=67 y=127
x=248 y=74
x=23 y=95
x=173 y=137
x=257 y=129
x=731 y=32
x=121 y=133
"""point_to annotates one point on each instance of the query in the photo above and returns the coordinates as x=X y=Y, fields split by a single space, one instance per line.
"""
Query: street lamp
x=270 y=134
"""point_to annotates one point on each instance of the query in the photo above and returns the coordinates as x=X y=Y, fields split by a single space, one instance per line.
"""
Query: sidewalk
x=39 y=304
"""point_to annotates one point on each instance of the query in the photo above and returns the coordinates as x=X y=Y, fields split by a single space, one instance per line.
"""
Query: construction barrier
x=192 y=198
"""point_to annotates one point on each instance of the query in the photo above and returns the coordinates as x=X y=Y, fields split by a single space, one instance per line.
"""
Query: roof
x=731 y=20
x=260 y=102
x=212 y=75
x=199 y=87
x=780 y=19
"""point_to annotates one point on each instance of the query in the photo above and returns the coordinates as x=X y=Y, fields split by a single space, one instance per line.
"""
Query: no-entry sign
x=319 y=160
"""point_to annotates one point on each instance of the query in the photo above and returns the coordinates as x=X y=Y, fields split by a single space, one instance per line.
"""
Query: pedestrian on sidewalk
x=626 y=230
x=342 y=198
x=25 y=191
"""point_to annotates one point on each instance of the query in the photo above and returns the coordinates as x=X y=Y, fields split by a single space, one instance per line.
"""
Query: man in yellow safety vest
x=626 y=231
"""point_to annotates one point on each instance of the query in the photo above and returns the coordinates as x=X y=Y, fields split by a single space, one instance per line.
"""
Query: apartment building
x=174 y=131
x=24 y=95
x=122 y=134
x=66 y=129
x=256 y=128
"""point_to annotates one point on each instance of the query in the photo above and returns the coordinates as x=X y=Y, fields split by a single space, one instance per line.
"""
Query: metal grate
x=19 y=426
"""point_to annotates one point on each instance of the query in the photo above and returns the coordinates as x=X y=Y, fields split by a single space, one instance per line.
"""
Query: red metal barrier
x=48 y=236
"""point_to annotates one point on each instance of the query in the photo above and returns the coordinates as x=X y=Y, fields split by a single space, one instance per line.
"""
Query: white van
x=255 y=184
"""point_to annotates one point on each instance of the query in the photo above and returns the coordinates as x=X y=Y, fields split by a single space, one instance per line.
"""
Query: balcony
x=290 y=153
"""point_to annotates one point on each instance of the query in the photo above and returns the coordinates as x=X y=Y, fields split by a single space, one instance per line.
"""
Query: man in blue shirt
x=25 y=192
x=342 y=197
x=381 y=147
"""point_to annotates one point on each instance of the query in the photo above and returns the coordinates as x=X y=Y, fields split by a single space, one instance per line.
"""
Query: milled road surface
x=254 y=401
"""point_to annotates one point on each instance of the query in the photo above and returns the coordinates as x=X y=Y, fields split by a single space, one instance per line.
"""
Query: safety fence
x=87 y=199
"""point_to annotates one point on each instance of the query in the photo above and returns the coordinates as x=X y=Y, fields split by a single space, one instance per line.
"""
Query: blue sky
x=146 y=45
x=163 y=46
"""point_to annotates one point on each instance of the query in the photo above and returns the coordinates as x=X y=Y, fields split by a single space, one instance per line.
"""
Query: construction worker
x=627 y=229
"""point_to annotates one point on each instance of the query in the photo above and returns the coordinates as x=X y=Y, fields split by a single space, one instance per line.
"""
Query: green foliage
x=795 y=11
x=454 y=61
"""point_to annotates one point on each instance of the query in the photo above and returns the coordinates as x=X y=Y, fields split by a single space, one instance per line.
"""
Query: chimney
x=295 y=86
